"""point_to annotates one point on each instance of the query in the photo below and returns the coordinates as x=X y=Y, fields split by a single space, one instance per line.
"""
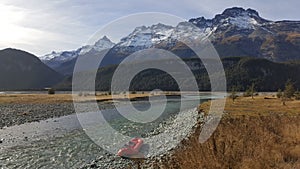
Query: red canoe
x=132 y=149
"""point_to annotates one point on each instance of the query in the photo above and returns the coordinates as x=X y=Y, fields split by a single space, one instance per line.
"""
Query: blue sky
x=41 y=26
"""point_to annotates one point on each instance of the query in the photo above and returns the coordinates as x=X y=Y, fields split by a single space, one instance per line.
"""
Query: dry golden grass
x=108 y=98
x=231 y=39
x=35 y=98
x=65 y=98
x=293 y=36
x=269 y=43
x=254 y=133
x=259 y=106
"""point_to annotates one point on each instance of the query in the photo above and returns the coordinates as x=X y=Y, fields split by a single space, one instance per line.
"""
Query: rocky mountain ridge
x=235 y=32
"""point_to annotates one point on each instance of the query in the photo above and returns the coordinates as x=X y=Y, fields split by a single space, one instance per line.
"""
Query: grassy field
x=253 y=134
x=259 y=106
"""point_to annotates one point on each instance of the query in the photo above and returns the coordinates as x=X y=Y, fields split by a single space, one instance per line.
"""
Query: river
x=62 y=143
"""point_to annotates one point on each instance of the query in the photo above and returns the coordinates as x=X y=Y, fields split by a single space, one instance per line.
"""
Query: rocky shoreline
x=178 y=131
x=16 y=114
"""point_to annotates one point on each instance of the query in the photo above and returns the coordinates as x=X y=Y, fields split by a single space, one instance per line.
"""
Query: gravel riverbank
x=16 y=114
x=23 y=112
x=162 y=139
x=178 y=128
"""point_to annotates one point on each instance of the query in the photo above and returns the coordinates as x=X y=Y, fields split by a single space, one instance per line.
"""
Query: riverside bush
x=51 y=91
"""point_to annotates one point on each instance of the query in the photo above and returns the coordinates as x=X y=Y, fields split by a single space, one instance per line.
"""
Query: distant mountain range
x=235 y=32
x=20 y=70
x=253 y=49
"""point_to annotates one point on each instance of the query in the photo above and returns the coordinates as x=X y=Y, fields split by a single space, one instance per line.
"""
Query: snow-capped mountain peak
x=239 y=17
x=101 y=44
x=147 y=36
x=64 y=55
x=243 y=19
x=54 y=59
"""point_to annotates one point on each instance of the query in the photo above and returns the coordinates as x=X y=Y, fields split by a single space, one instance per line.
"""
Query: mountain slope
x=241 y=72
x=22 y=70
x=240 y=32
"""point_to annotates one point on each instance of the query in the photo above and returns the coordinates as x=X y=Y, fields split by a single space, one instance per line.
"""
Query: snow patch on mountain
x=147 y=36
x=188 y=30
x=243 y=21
